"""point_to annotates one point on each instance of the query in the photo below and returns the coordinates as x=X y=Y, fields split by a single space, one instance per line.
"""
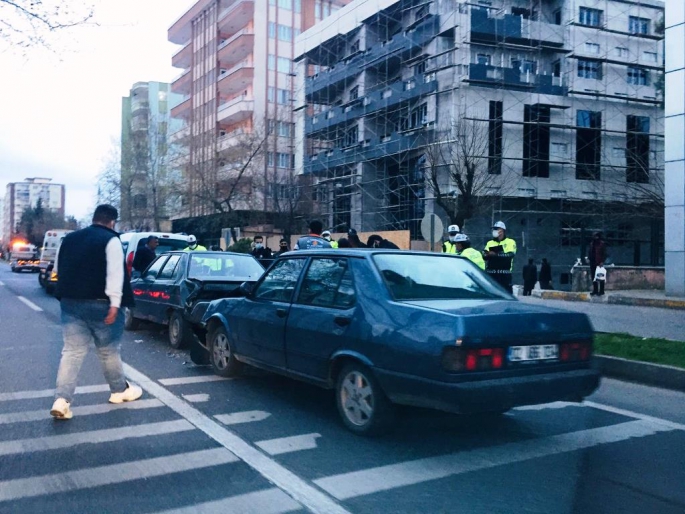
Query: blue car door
x=161 y=293
x=322 y=317
x=259 y=321
x=142 y=289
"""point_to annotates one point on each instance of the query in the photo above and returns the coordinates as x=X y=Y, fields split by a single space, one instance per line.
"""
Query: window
x=483 y=59
x=528 y=66
x=285 y=129
x=559 y=149
x=328 y=283
x=285 y=33
x=351 y=137
x=638 y=76
x=618 y=153
x=270 y=159
x=284 y=160
x=649 y=56
x=285 y=4
x=272 y=29
x=638 y=25
x=169 y=268
x=589 y=69
x=271 y=126
x=590 y=17
x=556 y=16
x=317 y=10
x=556 y=69
x=637 y=149
x=283 y=96
x=271 y=94
x=154 y=268
x=592 y=48
x=139 y=201
x=420 y=68
x=536 y=141
x=284 y=65
x=271 y=62
x=495 y=126
x=622 y=51
x=298 y=6
x=419 y=116
x=354 y=47
x=354 y=93
x=588 y=145
x=279 y=283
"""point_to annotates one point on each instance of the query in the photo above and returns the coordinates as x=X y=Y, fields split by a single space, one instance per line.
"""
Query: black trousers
x=504 y=280
x=528 y=287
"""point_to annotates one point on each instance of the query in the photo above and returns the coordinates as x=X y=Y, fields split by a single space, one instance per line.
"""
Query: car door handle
x=342 y=321
x=281 y=313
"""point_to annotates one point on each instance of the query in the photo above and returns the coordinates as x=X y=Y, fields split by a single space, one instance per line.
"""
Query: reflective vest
x=449 y=247
x=198 y=248
x=503 y=262
x=474 y=256
x=334 y=244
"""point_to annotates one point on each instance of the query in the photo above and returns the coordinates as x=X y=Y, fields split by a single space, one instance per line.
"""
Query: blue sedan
x=388 y=327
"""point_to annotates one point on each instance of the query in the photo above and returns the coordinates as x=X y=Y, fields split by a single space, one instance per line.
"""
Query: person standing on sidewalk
x=597 y=254
x=545 y=275
x=93 y=288
x=530 y=276
x=499 y=256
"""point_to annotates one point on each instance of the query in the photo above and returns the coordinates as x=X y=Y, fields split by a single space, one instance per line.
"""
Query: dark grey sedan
x=390 y=327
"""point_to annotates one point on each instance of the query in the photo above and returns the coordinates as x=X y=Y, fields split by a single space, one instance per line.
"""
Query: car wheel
x=179 y=331
x=362 y=404
x=222 y=357
x=130 y=323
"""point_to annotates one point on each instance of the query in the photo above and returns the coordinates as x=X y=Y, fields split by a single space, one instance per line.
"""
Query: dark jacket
x=545 y=272
x=144 y=256
x=82 y=266
x=530 y=273
x=597 y=252
x=261 y=253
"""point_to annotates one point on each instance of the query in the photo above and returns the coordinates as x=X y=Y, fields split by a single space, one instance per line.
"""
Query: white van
x=132 y=241
x=51 y=243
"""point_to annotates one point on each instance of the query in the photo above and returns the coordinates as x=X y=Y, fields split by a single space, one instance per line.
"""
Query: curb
x=612 y=298
x=657 y=375
x=646 y=302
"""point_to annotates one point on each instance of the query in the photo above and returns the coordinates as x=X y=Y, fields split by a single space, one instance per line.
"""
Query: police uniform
x=500 y=266
x=474 y=256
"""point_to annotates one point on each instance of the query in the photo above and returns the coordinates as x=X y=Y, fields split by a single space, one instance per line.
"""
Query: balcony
x=236 y=48
x=183 y=58
x=182 y=83
x=235 y=110
x=514 y=79
x=368 y=150
x=514 y=29
x=381 y=99
x=182 y=110
x=179 y=136
x=235 y=17
x=236 y=79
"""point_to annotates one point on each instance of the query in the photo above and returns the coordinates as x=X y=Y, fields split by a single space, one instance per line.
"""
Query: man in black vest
x=93 y=289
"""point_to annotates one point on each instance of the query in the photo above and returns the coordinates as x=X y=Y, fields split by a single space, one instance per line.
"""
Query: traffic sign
x=431 y=229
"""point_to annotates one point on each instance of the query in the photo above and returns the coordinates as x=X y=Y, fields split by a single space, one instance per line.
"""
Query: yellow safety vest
x=198 y=248
x=449 y=247
x=334 y=244
x=501 y=263
x=474 y=256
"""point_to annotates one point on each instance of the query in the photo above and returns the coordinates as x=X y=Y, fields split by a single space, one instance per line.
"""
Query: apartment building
x=555 y=105
x=24 y=195
x=238 y=86
x=148 y=156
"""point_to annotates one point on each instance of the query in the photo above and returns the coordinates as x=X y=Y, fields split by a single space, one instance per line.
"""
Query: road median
x=614 y=298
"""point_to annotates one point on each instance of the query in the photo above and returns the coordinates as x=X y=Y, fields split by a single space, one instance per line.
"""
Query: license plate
x=536 y=352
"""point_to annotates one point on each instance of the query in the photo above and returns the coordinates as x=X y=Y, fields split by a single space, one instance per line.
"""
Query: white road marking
x=192 y=380
x=552 y=405
x=630 y=414
x=86 y=410
x=29 y=303
x=268 y=501
x=93 y=436
x=242 y=417
x=295 y=443
x=300 y=490
x=1 y=283
x=114 y=474
x=384 y=478
x=196 y=398
x=49 y=393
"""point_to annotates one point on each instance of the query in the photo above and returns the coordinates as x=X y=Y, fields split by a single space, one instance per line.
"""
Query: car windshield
x=434 y=277
x=165 y=245
x=220 y=267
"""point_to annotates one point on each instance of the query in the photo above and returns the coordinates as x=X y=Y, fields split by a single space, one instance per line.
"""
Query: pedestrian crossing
x=280 y=489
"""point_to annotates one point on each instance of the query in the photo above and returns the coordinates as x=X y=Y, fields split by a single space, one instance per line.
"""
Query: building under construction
x=546 y=114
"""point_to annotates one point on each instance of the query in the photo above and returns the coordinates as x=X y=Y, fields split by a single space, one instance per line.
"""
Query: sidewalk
x=638 y=298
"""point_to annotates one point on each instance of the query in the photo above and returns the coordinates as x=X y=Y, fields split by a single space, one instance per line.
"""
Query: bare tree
x=459 y=172
x=27 y=23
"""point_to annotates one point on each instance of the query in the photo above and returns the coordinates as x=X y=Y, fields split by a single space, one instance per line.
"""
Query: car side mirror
x=245 y=288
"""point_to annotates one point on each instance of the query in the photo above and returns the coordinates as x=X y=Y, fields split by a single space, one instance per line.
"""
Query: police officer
x=450 y=246
x=326 y=234
x=463 y=244
x=499 y=255
x=193 y=245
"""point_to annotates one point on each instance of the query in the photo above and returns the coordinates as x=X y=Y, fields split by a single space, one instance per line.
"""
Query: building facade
x=545 y=114
x=149 y=177
x=20 y=196
x=238 y=86
x=675 y=148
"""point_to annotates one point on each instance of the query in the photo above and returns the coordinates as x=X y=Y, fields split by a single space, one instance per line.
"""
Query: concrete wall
x=621 y=278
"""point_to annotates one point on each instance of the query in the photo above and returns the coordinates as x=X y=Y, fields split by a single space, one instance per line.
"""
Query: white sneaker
x=131 y=393
x=60 y=409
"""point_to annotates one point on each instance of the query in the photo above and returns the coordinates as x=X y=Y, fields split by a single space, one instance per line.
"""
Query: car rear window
x=213 y=266
x=434 y=277
x=165 y=245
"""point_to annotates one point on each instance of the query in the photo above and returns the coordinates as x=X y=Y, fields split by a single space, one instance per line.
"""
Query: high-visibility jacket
x=474 y=256
x=198 y=248
x=503 y=262
x=334 y=244
x=449 y=247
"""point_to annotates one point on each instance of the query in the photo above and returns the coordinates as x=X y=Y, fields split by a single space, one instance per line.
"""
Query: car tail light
x=575 y=351
x=129 y=263
x=472 y=359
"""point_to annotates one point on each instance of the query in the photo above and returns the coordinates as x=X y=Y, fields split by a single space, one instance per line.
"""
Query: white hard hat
x=461 y=238
x=453 y=228
x=500 y=224
x=326 y=233
x=192 y=239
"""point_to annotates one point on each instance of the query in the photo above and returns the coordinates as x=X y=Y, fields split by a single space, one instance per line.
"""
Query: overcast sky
x=60 y=113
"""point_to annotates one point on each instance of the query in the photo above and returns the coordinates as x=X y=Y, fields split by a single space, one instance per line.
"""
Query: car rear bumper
x=489 y=395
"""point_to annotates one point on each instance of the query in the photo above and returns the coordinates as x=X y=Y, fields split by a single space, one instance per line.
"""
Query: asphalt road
x=265 y=445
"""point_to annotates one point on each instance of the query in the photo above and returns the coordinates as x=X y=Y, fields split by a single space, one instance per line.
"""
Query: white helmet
x=461 y=238
x=453 y=228
x=192 y=239
x=500 y=224
x=325 y=233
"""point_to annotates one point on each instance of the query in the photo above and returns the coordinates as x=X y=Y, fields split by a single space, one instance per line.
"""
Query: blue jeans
x=83 y=323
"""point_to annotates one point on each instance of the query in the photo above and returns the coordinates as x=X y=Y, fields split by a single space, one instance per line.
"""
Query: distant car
x=52 y=241
x=412 y=328
x=24 y=257
x=133 y=241
x=177 y=286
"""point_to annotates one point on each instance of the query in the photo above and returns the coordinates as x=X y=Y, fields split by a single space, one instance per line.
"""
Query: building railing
x=243 y=32
x=516 y=79
x=245 y=63
x=503 y=27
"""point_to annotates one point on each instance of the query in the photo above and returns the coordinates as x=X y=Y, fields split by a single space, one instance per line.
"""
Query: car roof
x=361 y=252
x=161 y=235
x=208 y=252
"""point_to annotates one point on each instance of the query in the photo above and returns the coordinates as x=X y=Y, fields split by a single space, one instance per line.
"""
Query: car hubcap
x=357 y=398
x=222 y=352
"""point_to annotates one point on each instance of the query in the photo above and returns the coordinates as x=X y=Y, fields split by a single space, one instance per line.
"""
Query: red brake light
x=471 y=360
x=129 y=263
x=580 y=351
x=497 y=358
